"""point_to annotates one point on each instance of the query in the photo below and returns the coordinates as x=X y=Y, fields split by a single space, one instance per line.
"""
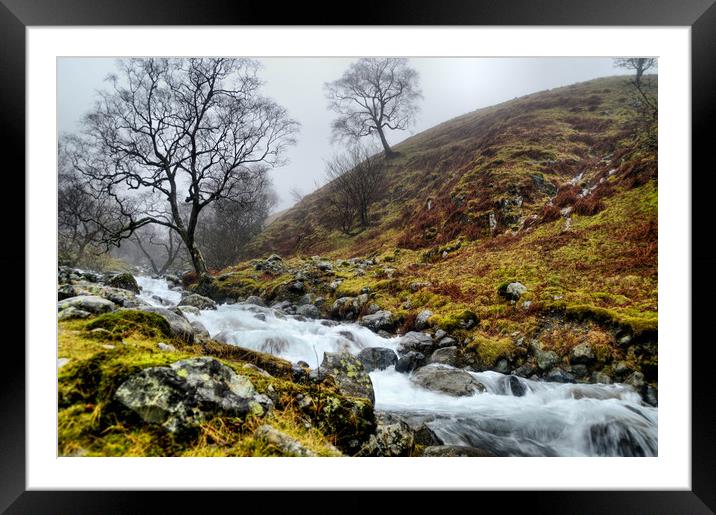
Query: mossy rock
x=126 y=281
x=126 y=322
x=465 y=319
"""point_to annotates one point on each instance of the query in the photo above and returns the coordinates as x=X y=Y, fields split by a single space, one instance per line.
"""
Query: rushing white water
x=550 y=419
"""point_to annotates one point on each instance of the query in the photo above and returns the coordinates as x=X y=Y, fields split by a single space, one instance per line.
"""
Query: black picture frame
x=17 y=15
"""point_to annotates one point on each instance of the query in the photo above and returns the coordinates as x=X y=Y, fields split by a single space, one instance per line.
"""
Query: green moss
x=638 y=326
x=489 y=350
x=126 y=322
x=454 y=321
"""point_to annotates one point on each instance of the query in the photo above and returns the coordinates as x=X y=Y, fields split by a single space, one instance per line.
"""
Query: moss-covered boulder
x=349 y=374
x=125 y=281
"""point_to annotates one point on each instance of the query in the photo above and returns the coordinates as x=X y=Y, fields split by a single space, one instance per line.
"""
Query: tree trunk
x=197 y=260
x=386 y=147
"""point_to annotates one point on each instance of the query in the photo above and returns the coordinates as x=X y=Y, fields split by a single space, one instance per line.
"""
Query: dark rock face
x=377 y=358
x=451 y=381
x=380 y=320
x=197 y=301
x=455 y=451
x=409 y=362
x=518 y=389
x=126 y=281
x=349 y=374
x=415 y=341
x=188 y=392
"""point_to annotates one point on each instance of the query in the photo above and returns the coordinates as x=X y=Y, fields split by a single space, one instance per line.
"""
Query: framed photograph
x=444 y=249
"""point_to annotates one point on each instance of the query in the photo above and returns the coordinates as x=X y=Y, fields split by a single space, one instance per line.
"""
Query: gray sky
x=451 y=87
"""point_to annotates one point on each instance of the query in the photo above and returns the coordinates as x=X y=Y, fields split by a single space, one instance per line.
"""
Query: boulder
x=189 y=309
x=601 y=377
x=253 y=299
x=73 y=312
x=201 y=334
x=415 y=341
x=125 y=281
x=454 y=451
x=502 y=366
x=348 y=308
x=166 y=347
x=197 y=301
x=393 y=438
x=179 y=326
x=421 y=321
x=545 y=359
x=451 y=381
x=557 y=375
x=582 y=353
x=381 y=320
x=349 y=374
x=308 y=311
x=447 y=341
x=88 y=303
x=409 y=362
x=182 y=396
x=281 y=441
x=425 y=436
x=517 y=387
x=377 y=358
x=636 y=381
x=512 y=291
x=445 y=356
x=119 y=296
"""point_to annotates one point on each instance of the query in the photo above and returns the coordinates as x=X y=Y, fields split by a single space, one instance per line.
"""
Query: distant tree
x=640 y=65
x=180 y=132
x=296 y=195
x=356 y=179
x=162 y=250
x=372 y=95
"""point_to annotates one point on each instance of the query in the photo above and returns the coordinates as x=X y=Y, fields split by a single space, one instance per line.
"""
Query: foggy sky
x=450 y=86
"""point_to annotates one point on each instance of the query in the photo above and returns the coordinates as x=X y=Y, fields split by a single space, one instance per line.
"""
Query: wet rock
x=423 y=435
x=349 y=374
x=381 y=320
x=393 y=438
x=525 y=370
x=502 y=366
x=409 y=362
x=281 y=441
x=348 y=308
x=454 y=451
x=601 y=378
x=621 y=369
x=445 y=356
x=308 y=311
x=557 y=375
x=253 y=299
x=545 y=359
x=517 y=387
x=179 y=326
x=421 y=321
x=201 y=334
x=636 y=380
x=451 y=381
x=580 y=371
x=651 y=396
x=582 y=353
x=415 y=341
x=189 y=392
x=377 y=358
x=88 y=303
x=125 y=281
x=197 y=301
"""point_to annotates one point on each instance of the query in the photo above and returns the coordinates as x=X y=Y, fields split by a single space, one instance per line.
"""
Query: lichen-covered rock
x=125 y=281
x=445 y=356
x=512 y=291
x=188 y=392
x=89 y=303
x=180 y=326
x=348 y=308
x=349 y=374
x=545 y=359
x=415 y=341
x=393 y=438
x=451 y=381
x=380 y=320
x=281 y=441
x=377 y=358
x=421 y=321
x=73 y=312
x=197 y=301
x=120 y=296
x=582 y=353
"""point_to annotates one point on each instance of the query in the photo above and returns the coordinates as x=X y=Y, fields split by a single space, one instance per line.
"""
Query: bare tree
x=640 y=65
x=372 y=95
x=355 y=181
x=161 y=251
x=180 y=132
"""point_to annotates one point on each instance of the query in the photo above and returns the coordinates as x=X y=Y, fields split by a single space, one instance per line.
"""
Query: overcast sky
x=450 y=86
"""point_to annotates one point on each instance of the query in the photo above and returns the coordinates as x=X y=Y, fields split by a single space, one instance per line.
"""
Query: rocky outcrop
x=188 y=392
x=348 y=373
x=451 y=381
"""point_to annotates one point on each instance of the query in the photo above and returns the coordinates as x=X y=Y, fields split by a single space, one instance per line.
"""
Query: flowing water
x=550 y=419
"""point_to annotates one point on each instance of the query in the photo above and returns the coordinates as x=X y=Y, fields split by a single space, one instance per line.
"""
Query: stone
x=651 y=396
x=517 y=387
x=439 y=334
x=166 y=347
x=513 y=291
x=393 y=438
x=415 y=341
x=447 y=342
x=557 y=375
x=452 y=381
x=525 y=370
x=88 y=303
x=61 y=362
x=125 y=281
x=502 y=366
x=201 y=334
x=197 y=301
x=282 y=442
x=621 y=369
x=179 y=326
x=253 y=299
x=445 y=356
x=425 y=436
x=382 y=320
x=409 y=362
x=189 y=310
x=188 y=392
x=545 y=359
x=421 y=321
x=119 y=296
x=601 y=378
x=324 y=266
x=636 y=380
x=580 y=370
x=582 y=353
x=349 y=374
x=377 y=358
x=308 y=311
x=73 y=312
x=455 y=451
